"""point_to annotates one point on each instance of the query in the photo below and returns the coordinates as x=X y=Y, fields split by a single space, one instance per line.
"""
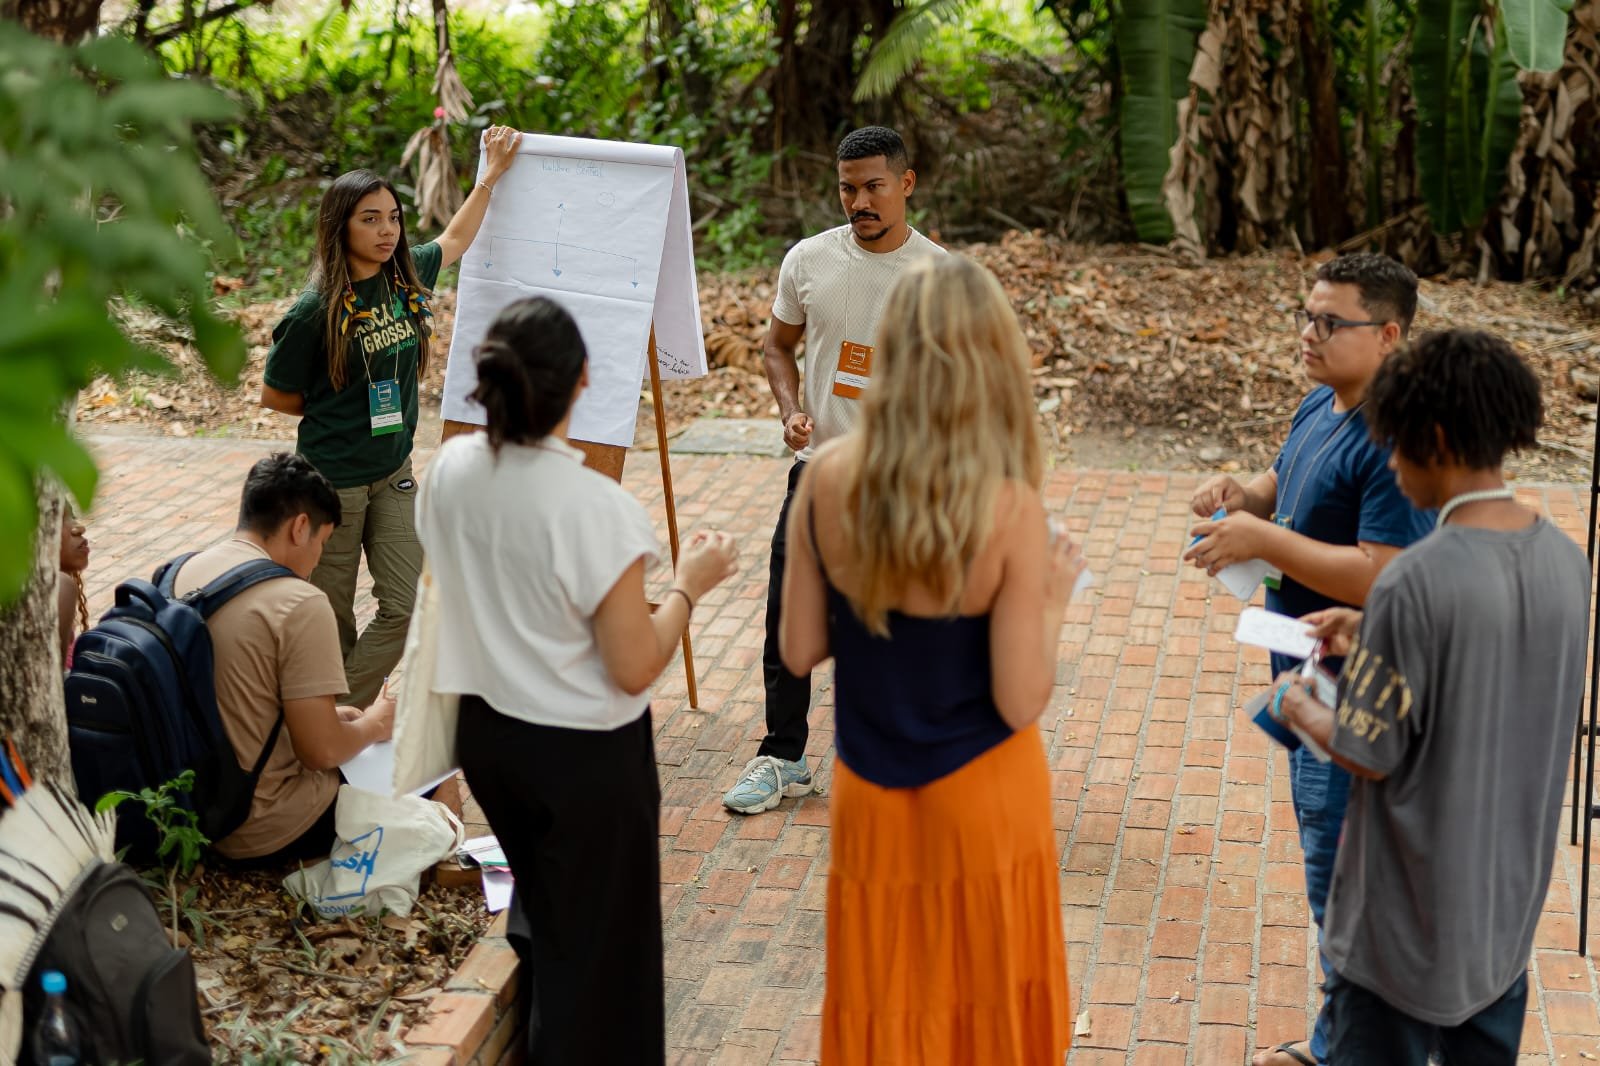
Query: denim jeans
x=1321 y=791
x=1367 y=1030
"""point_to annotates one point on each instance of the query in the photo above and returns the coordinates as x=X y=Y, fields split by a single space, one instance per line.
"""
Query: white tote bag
x=383 y=844
x=424 y=720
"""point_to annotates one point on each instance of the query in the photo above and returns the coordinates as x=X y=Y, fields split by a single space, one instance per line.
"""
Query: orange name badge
x=855 y=370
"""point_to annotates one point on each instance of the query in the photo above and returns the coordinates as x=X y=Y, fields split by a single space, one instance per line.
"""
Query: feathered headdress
x=48 y=842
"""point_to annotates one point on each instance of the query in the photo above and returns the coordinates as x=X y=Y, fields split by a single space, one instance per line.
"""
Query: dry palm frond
x=438 y=191
x=1240 y=109
x=1548 y=220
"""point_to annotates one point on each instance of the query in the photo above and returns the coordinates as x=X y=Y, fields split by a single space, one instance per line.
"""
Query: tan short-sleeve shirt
x=277 y=641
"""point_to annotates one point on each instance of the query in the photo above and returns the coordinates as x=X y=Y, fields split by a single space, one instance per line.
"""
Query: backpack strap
x=167 y=573
x=266 y=750
x=210 y=599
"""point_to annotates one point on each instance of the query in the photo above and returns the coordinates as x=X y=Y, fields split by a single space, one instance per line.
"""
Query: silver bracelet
x=486 y=187
x=685 y=595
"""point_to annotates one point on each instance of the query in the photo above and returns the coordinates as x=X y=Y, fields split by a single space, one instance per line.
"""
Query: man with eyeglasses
x=1327 y=517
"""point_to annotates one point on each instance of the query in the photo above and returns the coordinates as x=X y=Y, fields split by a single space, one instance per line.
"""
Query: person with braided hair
x=72 y=606
x=347 y=358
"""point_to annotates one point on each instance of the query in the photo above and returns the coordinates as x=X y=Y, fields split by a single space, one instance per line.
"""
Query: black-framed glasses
x=1324 y=324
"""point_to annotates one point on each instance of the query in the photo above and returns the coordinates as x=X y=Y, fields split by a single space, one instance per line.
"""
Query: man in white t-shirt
x=832 y=289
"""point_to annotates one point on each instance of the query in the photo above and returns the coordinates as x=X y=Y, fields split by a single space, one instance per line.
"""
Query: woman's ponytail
x=528 y=367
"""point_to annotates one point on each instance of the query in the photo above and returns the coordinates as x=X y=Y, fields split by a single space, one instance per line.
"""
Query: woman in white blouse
x=546 y=634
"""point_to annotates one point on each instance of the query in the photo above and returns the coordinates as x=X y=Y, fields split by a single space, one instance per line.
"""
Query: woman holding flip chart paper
x=346 y=358
x=545 y=633
x=920 y=560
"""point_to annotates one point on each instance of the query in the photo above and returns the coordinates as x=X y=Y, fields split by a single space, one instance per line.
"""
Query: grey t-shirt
x=1464 y=692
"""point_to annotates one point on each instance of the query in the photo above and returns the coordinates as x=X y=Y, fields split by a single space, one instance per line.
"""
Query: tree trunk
x=66 y=21
x=818 y=69
x=32 y=705
x=1329 y=221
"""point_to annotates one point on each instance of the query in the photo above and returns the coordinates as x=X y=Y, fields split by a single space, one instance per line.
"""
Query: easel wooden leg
x=672 y=509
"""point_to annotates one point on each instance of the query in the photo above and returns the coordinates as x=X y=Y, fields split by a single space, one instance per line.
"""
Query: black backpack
x=130 y=994
x=141 y=706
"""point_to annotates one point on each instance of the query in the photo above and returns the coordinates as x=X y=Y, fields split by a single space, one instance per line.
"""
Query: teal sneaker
x=764 y=783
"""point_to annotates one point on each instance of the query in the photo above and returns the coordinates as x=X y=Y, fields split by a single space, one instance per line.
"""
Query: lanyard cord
x=366 y=357
x=1295 y=459
x=1473 y=497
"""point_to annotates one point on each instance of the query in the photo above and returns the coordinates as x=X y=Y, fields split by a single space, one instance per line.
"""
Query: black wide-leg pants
x=577 y=813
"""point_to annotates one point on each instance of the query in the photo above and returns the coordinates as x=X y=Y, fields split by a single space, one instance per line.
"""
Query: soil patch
x=1188 y=367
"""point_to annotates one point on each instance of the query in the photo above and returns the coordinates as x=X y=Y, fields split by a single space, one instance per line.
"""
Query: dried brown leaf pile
x=280 y=986
x=1187 y=366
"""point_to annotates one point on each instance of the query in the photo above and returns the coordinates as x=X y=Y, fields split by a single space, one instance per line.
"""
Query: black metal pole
x=1594 y=677
x=1587 y=809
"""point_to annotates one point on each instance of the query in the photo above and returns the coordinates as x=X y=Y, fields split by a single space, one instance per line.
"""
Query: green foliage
x=1536 y=32
x=1469 y=104
x=182 y=842
x=904 y=44
x=1155 y=41
x=363 y=83
x=100 y=196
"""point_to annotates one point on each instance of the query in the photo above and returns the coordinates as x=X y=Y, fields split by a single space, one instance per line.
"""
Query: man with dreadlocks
x=1455 y=714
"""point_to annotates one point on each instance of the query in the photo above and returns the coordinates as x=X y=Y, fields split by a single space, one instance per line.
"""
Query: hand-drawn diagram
x=582 y=252
x=603 y=228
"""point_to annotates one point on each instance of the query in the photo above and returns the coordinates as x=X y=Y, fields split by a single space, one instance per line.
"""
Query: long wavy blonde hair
x=948 y=419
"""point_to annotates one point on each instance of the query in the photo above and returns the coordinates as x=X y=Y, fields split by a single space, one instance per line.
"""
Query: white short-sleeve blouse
x=524 y=546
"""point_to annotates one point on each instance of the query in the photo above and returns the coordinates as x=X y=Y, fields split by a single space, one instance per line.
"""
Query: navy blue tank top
x=916 y=705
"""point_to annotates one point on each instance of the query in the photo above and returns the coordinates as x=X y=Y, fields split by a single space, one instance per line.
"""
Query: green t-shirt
x=336 y=431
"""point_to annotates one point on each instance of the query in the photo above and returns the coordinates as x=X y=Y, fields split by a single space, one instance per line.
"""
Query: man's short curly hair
x=1471 y=385
x=1388 y=287
x=869 y=141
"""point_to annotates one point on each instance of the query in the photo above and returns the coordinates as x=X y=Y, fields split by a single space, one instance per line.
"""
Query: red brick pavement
x=1188 y=936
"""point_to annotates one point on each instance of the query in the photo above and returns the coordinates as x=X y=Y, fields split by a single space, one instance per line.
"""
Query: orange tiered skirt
x=944 y=919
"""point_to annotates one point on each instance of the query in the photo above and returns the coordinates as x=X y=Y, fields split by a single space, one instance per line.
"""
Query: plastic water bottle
x=55 y=1037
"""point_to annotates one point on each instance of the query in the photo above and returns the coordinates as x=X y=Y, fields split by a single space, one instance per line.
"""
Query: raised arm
x=500 y=151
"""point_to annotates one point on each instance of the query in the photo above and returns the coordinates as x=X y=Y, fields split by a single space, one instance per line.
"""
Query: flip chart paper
x=601 y=227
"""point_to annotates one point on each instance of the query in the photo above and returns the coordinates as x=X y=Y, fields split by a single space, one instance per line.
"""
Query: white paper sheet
x=372 y=769
x=485 y=851
x=1242 y=579
x=601 y=227
x=1275 y=632
x=497 y=886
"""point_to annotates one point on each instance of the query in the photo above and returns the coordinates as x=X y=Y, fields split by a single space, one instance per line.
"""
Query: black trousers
x=788 y=696
x=1367 y=1031
x=578 y=813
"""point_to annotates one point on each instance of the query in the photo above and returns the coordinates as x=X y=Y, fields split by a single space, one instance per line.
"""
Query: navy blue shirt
x=1335 y=484
x=916 y=705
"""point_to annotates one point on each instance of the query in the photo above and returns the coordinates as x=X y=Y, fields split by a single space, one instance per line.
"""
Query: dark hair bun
x=528 y=367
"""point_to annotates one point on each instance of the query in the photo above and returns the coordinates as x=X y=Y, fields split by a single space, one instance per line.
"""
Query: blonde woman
x=921 y=561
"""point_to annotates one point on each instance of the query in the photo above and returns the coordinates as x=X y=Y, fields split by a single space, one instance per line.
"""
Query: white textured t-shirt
x=838 y=290
x=524 y=548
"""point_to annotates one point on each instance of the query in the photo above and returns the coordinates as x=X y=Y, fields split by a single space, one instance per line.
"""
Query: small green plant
x=177 y=824
x=182 y=845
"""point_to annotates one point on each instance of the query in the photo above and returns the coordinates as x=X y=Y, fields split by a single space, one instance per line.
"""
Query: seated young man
x=276 y=649
x=1456 y=713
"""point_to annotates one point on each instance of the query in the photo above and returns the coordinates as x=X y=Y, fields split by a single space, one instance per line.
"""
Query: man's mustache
x=859 y=215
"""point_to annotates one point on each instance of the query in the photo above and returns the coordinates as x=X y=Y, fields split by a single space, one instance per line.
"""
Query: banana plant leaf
x=1536 y=32
x=1155 y=42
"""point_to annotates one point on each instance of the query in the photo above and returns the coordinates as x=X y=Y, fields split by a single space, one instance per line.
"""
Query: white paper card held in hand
x=1275 y=632
x=1242 y=579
